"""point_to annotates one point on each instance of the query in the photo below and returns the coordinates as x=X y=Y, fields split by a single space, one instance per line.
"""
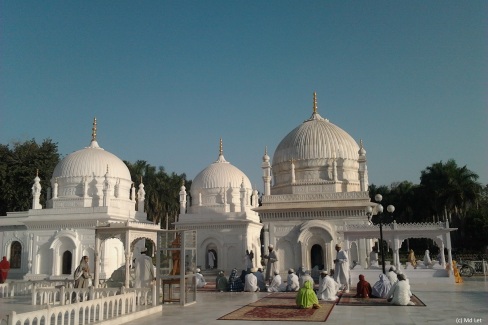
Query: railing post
x=62 y=295
x=11 y=317
x=34 y=295
x=91 y=295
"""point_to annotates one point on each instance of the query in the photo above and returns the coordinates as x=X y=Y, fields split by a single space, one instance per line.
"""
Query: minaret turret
x=266 y=167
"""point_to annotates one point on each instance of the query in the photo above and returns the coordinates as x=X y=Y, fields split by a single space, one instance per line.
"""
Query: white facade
x=221 y=213
x=88 y=186
x=316 y=183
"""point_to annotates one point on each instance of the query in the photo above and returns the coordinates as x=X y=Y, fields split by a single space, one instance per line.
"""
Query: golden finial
x=37 y=172
x=360 y=143
x=221 y=150
x=266 y=150
x=141 y=179
x=94 y=129
x=314 y=102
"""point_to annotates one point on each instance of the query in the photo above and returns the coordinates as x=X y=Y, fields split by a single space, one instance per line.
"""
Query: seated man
x=400 y=293
x=392 y=275
x=276 y=285
x=199 y=279
x=304 y=277
x=327 y=287
x=306 y=297
x=251 y=284
x=261 y=282
x=292 y=283
x=363 y=289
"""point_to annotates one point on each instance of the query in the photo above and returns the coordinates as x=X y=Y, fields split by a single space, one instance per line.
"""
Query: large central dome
x=316 y=152
x=316 y=138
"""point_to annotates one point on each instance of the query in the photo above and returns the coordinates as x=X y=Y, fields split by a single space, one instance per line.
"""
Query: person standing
x=82 y=274
x=4 y=268
x=144 y=271
x=272 y=258
x=327 y=287
x=211 y=259
x=341 y=272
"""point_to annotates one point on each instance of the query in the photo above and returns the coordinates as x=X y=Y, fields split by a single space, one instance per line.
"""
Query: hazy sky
x=167 y=79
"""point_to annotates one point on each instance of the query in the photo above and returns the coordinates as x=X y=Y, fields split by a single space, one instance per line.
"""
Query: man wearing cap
x=251 y=284
x=271 y=257
x=327 y=287
x=341 y=272
x=292 y=283
x=199 y=279
x=276 y=285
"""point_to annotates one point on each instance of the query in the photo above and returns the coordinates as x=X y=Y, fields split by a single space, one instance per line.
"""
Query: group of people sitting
x=392 y=286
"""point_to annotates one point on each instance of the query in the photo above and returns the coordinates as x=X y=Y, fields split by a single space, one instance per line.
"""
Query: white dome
x=220 y=174
x=316 y=152
x=316 y=138
x=91 y=161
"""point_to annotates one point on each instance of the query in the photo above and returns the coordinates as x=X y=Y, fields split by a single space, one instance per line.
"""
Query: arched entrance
x=67 y=262
x=317 y=257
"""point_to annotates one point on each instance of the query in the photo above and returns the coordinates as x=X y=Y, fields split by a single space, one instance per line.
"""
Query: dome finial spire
x=314 y=102
x=94 y=129
x=221 y=150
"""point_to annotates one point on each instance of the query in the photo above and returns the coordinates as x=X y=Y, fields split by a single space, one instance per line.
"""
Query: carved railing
x=85 y=312
x=63 y=296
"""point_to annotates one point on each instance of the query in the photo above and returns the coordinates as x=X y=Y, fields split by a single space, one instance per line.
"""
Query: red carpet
x=280 y=306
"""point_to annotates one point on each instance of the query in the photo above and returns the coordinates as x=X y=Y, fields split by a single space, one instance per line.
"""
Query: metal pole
x=381 y=247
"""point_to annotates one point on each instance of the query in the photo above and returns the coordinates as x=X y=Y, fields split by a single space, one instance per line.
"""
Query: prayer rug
x=209 y=287
x=347 y=299
x=280 y=306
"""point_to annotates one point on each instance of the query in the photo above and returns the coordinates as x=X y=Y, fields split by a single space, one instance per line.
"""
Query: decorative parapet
x=315 y=197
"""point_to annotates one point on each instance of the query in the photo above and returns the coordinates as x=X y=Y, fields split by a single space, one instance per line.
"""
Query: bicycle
x=466 y=270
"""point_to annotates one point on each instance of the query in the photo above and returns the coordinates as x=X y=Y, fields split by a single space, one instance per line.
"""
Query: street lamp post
x=379 y=210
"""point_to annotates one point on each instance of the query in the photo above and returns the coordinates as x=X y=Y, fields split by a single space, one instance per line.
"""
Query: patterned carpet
x=347 y=299
x=280 y=306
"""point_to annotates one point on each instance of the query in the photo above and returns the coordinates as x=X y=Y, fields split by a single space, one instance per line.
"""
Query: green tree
x=19 y=164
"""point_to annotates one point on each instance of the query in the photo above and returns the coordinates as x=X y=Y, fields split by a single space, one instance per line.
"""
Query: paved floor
x=465 y=303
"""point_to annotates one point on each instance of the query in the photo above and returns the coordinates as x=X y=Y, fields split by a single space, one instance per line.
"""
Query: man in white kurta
x=276 y=284
x=400 y=293
x=251 y=282
x=327 y=287
x=392 y=275
x=292 y=283
x=145 y=273
x=199 y=279
x=341 y=272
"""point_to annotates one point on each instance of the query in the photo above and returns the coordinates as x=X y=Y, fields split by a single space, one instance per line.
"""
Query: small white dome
x=220 y=174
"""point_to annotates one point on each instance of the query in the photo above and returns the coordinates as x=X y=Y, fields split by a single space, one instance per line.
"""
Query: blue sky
x=167 y=79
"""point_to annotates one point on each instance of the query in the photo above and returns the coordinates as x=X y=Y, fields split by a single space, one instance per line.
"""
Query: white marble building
x=316 y=183
x=221 y=211
x=88 y=186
